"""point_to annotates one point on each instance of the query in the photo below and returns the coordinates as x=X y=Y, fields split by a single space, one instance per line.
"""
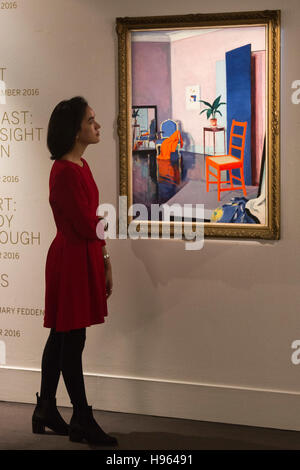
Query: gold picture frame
x=252 y=22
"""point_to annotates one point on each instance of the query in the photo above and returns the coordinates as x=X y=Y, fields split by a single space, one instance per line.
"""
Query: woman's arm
x=68 y=195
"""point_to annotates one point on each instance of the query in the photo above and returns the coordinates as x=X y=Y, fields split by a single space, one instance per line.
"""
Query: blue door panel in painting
x=238 y=83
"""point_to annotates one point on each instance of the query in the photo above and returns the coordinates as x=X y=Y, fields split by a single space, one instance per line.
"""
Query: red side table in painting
x=214 y=130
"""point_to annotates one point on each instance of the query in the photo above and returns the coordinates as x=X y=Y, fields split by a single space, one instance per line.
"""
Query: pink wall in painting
x=151 y=80
x=161 y=71
x=187 y=70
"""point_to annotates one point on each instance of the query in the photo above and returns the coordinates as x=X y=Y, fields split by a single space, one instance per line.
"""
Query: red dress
x=75 y=295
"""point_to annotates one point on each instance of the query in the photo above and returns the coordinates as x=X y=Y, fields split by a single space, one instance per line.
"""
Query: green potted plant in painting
x=212 y=109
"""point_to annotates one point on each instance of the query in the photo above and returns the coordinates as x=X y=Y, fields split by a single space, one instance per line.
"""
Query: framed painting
x=199 y=121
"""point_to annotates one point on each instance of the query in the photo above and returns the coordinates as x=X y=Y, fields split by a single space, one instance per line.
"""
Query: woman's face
x=90 y=129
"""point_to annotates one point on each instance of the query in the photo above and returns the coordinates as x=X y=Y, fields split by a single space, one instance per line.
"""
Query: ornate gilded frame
x=271 y=20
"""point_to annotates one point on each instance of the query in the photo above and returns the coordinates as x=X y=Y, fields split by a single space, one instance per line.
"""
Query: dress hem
x=86 y=325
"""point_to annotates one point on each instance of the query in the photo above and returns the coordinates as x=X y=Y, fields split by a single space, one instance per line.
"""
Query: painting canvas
x=202 y=127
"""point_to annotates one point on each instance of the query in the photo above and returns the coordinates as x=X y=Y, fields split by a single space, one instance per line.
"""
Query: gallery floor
x=180 y=180
x=141 y=432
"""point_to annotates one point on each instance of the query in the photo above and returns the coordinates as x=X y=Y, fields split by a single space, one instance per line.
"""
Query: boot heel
x=38 y=427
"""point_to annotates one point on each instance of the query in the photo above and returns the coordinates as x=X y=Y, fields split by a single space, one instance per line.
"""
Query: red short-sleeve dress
x=75 y=293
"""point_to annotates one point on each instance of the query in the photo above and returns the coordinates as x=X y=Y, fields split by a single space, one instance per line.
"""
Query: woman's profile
x=78 y=273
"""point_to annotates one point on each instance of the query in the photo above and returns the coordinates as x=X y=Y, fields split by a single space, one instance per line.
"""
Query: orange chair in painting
x=229 y=162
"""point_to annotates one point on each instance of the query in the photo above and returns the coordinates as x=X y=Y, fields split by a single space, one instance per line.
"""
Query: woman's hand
x=108 y=279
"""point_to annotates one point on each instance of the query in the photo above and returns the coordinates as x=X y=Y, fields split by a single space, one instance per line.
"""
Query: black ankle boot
x=84 y=426
x=47 y=415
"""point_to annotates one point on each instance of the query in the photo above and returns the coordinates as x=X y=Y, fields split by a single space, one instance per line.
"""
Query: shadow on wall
x=164 y=269
x=188 y=141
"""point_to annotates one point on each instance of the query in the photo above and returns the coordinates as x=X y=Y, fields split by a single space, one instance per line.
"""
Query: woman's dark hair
x=64 y=124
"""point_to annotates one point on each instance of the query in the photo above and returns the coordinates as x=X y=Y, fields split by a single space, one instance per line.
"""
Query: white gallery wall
x=202 y=335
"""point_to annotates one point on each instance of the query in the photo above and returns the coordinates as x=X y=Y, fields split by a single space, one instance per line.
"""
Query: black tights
x=63 y=353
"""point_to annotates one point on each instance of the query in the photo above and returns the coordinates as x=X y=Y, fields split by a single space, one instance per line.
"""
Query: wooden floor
x=140 y=432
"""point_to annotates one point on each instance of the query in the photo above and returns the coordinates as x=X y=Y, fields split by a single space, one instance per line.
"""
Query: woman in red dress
x=78 y=272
